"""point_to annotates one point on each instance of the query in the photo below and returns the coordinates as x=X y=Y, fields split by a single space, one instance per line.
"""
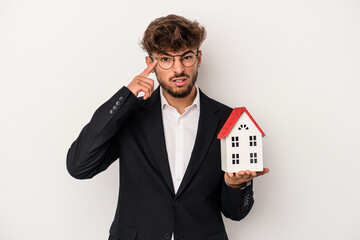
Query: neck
x=180 y=103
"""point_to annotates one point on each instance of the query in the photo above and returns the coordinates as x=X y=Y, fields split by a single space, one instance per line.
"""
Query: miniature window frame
x=253 y=158
x=235 y=141
x=235 y=158
x=252 y=141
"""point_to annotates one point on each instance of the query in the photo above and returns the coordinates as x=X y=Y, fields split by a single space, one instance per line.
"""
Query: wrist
x=241 y=185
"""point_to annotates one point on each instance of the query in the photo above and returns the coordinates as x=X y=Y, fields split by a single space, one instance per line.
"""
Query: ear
x=149 y=61
x=199 y=58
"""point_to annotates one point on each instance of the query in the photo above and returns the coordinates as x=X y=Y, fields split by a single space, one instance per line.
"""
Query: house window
x=252 y=141
x=234 y=141
x=253 y=157
x=235 y=158
x=243 y=126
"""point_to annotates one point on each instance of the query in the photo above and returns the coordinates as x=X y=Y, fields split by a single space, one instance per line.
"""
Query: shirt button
x=118 y=103
x=111 y=111
x=121 y=98
x=167 y=236
x=179 y=123
x=178 y=149
x=114 y=107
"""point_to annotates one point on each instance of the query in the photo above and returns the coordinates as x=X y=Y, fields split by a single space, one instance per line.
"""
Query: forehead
x=180 y=52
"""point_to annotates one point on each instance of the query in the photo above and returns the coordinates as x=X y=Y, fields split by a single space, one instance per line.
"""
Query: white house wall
x=244 y=148
x=223 y=155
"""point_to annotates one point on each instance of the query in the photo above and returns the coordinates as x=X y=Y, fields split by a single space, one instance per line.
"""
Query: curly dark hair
x=172 y=33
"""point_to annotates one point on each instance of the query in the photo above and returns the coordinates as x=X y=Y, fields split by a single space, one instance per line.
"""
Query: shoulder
x=222 y=110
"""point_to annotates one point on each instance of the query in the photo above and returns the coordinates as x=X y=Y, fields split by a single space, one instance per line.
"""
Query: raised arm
x=96 y=146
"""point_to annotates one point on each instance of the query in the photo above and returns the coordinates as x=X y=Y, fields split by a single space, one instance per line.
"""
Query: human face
x=179 y=80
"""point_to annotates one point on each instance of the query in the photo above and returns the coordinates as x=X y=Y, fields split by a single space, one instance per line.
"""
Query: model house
x=241 y=142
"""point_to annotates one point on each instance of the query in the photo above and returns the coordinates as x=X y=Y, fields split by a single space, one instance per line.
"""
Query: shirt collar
x=196 y=102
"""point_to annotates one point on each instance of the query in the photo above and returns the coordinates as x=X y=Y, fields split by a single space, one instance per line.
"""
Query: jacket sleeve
x=236 y=203
x=96 y=146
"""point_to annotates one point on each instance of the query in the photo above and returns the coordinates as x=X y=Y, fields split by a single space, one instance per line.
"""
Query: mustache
x=179 y=75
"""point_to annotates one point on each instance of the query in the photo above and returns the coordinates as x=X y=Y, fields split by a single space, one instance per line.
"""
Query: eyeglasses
x=166 y=61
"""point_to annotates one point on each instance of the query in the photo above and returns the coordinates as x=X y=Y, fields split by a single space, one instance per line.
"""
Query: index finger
x=148 y=70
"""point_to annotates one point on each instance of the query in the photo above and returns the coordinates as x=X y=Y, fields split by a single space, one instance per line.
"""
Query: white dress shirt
x=180 y=133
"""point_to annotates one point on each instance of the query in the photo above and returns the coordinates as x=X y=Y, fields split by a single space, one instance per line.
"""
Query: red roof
x=231 y=121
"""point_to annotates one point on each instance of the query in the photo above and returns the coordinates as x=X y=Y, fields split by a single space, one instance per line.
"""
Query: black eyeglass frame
x=173 y=58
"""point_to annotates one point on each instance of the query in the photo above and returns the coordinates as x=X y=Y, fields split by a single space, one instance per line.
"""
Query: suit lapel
x=154 y=130
x=208 y=122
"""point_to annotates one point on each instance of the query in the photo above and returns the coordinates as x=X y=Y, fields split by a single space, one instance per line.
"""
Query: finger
x=146 y=88
x=239 y=174
x=149 y=81
x=148 y=70
x=145 y=79
x=248 y=175
x=230 y=174
x=265 y=170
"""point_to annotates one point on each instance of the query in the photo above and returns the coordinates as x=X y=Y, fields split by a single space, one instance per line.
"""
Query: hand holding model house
x=241 y=148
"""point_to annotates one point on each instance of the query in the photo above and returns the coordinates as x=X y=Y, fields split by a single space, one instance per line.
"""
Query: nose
x=178 y=67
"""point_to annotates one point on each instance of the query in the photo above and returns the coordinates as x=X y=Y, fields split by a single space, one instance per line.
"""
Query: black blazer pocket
x=218 y=236
x=120 y=231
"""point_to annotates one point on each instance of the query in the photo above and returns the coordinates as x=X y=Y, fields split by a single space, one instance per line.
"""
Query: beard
x=182 y=92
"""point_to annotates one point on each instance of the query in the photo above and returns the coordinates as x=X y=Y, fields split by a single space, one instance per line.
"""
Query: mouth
x=179 y=81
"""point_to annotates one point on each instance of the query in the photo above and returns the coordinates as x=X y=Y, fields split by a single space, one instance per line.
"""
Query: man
x=171 y=182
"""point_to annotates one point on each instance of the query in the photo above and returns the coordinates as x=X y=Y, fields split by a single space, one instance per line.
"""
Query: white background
x=294 y=64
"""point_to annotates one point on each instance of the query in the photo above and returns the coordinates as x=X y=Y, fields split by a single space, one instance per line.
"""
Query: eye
x=165 y=59
x=188 y=57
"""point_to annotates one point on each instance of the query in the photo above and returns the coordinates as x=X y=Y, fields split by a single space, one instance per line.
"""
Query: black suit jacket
x=131 y=129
